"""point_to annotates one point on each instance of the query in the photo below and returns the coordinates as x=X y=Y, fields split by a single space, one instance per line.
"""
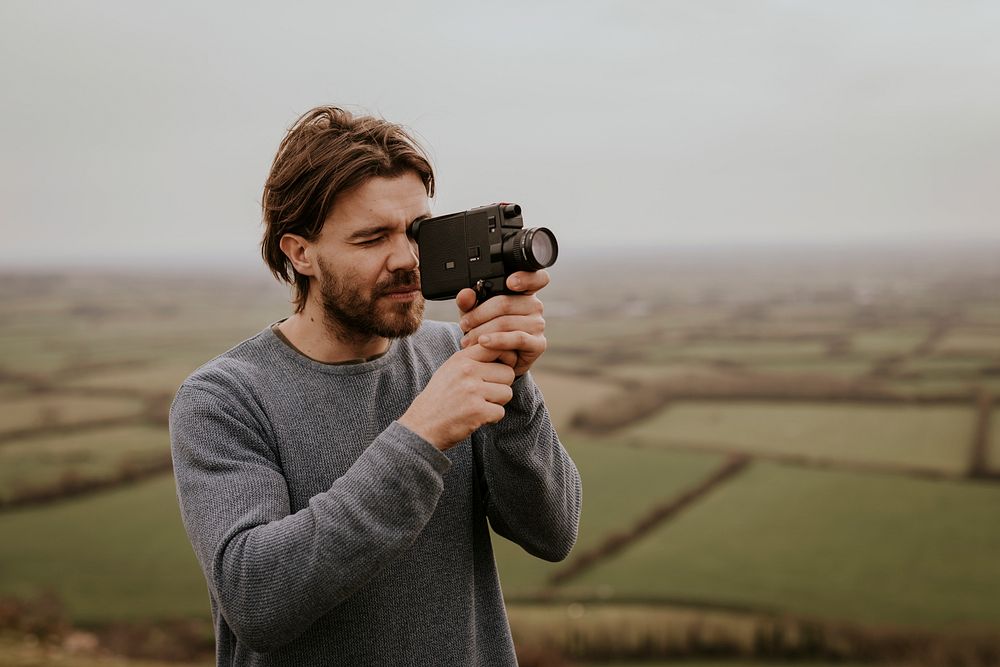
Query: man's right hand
x=466 y=392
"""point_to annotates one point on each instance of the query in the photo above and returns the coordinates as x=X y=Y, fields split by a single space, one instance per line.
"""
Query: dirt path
x=656 y=516
x=979 y=452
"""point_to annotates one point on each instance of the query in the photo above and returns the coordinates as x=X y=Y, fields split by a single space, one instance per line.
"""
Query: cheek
x=368 y=271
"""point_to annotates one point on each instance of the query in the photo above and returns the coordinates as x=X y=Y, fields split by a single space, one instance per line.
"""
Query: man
x=336 y=472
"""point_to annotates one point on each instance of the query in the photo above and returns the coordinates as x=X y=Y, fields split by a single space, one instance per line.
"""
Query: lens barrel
x=530 y=249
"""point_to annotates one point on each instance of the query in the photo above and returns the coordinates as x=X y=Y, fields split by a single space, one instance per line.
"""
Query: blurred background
x=774 y=325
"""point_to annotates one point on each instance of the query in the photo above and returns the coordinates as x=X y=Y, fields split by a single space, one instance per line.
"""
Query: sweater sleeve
x=532 y=487
x=271 y=572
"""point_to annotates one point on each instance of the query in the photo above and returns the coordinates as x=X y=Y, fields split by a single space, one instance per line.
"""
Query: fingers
x=493 y=413
x=498 y=394
x=501 y=306
x=480 y=353
x=510 y=358
x=519 y=341
x=495 y=365
x=528 y=282
x=498 y=373
x=528 y=326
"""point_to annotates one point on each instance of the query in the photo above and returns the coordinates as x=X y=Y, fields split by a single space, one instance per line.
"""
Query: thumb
x=466 y=300
x=479 y=353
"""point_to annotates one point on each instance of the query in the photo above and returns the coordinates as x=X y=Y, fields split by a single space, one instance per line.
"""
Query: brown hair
x=325 y=153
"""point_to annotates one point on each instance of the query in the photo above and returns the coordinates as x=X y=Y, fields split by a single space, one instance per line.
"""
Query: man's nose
x=404 y=254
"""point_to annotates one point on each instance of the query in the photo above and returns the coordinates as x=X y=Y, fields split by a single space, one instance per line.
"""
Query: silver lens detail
x=542 y=247
x=529 y=250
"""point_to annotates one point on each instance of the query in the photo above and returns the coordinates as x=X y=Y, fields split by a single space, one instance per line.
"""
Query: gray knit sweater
x=330 y=534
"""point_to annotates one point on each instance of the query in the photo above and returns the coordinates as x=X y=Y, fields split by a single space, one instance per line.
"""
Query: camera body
x=479 y=248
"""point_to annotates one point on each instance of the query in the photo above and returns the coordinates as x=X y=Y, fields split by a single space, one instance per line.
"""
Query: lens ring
x=539 y=247
x=529 y=249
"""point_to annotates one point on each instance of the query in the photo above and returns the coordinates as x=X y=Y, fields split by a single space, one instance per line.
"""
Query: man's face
x=368 y=281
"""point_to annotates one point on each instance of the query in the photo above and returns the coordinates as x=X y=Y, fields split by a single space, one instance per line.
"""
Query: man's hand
x=465 y=392
x=510 y=323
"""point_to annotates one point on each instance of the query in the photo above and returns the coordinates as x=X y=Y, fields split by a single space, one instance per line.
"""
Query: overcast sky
x=137 y=132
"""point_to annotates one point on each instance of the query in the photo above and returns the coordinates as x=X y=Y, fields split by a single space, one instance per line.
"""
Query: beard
x=356 y=315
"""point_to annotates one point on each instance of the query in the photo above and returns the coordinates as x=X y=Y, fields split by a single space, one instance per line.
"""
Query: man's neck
x=309 y=333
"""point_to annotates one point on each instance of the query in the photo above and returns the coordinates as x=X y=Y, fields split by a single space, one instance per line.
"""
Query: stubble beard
x=354 y=316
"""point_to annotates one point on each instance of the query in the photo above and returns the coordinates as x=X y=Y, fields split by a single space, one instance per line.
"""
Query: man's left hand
x=509 y=322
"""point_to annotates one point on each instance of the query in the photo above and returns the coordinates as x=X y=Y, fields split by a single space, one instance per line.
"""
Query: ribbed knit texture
x=329 y=534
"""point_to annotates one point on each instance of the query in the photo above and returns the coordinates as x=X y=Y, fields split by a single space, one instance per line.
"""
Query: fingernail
x=484 y=339
x=464 y=341
x=464 y=323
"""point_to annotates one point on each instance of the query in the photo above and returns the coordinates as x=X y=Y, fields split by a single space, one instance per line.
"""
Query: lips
x=402 y=282
x=403 y=290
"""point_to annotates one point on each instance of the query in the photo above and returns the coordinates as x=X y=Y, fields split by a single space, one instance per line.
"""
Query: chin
x=404 y=321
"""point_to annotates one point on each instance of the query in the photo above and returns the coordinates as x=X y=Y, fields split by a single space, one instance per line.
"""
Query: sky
x=138 y=133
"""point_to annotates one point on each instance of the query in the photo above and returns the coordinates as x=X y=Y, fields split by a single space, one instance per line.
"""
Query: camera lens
x=542 y=246
x=530 y=249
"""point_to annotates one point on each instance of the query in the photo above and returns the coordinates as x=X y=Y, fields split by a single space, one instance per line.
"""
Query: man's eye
x=372 y=241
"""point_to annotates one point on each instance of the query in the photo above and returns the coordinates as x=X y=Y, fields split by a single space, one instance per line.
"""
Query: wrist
x=423 y=431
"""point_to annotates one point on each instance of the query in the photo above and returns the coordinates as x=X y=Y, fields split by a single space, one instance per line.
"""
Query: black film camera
x=479 y=248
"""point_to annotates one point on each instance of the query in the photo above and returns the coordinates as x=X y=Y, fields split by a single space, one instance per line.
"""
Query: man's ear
x=299 y=252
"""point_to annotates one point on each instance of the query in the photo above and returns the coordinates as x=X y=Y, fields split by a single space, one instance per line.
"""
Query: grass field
x=564 y=395
x=620 y=485
x=861 y=547
x=25 y=412
x=31 y=354
x=745 y=352
x=24 y=653
x=886 y=341
x=993 y=457
x=19 y=653
x=41 y=461
x=928 y=437
x=971 y=343
x=151 y=377
x=882 y=548
x=119 y=555
x=947 y=366
x=850 y=367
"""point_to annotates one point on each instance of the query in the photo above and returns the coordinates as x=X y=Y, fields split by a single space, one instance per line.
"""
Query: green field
x=620 y=485
x=566 y=394
x=885 y=342
x=27 y=411
x=745 y=352
x=864 y=547
x=926 y=437
x=971 y=343
x=835 y=517
x=941 y=367
x=836 y=367
x=993 y=457
x=152 y=377
x=42 y=461
x=119 y=555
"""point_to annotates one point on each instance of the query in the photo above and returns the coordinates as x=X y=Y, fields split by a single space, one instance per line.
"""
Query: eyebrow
x=375 y=230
